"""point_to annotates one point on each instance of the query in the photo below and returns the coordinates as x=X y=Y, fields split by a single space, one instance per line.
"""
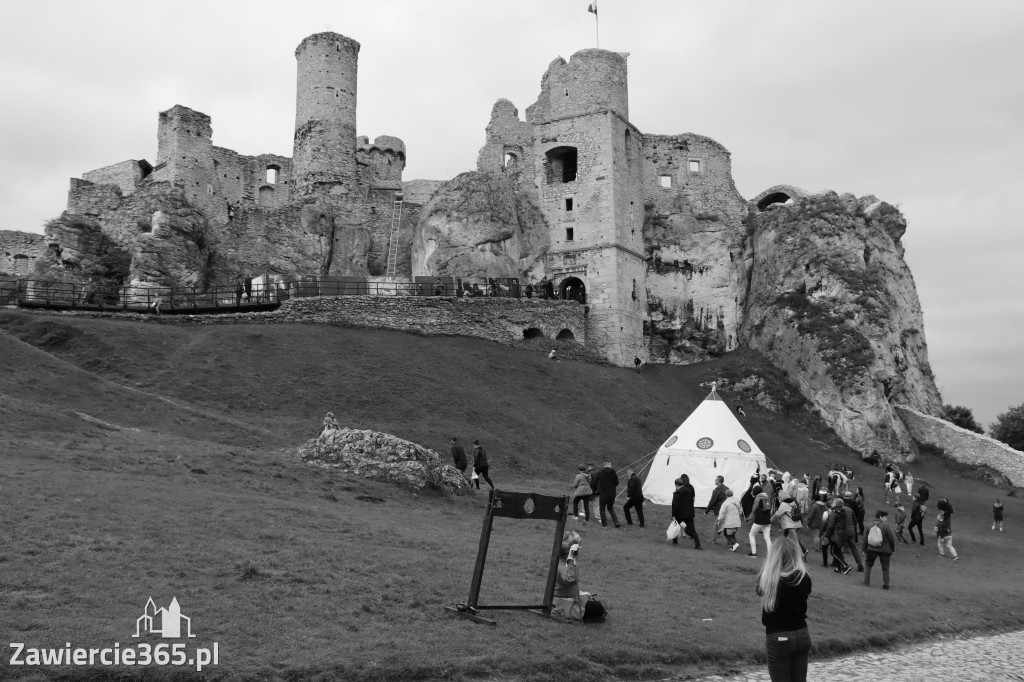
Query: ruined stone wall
x=325 y=115
x=380 y=163
x=246 y=181
x=694 y=232
x=962 y=445
x=19 y=252
x=507 y=135
x=125 y=175
x=592 y=80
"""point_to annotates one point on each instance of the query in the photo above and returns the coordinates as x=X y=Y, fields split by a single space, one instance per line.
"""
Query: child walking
x=997 y=515
x=901 y=522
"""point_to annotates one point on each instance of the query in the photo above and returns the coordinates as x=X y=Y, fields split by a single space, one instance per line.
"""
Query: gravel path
x=976 y=659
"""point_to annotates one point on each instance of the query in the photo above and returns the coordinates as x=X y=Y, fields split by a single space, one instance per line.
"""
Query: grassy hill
x=145 y=459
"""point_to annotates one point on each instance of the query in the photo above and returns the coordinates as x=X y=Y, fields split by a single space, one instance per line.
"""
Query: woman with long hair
x=784 y=586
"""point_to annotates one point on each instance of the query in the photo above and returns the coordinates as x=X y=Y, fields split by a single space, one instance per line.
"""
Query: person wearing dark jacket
x=944 y=528
x=634 y=498
x=717 y=497
x=923 y=492
x=682 y=508
x=480 y=464
x=835 y=535
x=747 y=499
x=850 y=516
x=882 y=552
x=917 y=513
x=459 y=456
x=606 y=481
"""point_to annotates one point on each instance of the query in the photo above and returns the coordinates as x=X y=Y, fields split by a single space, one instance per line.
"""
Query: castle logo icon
x=164 y=622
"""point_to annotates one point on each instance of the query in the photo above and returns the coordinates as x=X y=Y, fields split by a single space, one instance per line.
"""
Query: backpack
x=795 y=513
x=875 y=536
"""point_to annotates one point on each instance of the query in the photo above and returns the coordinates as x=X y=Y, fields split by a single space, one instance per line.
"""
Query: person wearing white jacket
x=730 y=518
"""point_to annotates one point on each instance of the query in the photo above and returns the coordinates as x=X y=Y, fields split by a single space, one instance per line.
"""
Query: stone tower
x=588 y=158
x=324 y=157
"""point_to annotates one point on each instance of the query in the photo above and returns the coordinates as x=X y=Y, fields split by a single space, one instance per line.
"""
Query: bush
x=1009 y=427
x=962 y=417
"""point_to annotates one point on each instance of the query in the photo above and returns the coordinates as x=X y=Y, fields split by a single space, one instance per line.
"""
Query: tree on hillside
x=962 y=417
x=1009 y=427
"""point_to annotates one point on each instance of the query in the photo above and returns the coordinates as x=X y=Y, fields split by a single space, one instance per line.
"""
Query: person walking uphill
x=459 y=456
x=634 y=498
x=682 y=509
x=762 y=514
x=606 y=481
x=944 y=528
x=581 y=492
x=879 y=543
x=783 y=585
x=480 y=464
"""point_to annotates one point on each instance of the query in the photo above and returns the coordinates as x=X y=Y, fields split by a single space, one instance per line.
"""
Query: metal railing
x=259 y=294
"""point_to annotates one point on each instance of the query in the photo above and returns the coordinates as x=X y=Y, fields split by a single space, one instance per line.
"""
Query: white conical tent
x=710 y=442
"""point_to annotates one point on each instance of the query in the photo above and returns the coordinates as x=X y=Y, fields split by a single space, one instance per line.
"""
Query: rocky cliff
x=832 y=302
x=480 y=225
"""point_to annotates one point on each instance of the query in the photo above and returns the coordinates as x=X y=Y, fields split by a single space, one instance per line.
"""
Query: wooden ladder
x=396 y=222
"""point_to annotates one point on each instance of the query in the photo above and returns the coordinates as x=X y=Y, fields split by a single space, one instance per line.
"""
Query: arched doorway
x=572 y=289
x=566 y=335
x=533 y=333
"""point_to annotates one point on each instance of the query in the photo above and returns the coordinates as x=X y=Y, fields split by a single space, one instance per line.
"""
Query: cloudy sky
x=919 y=102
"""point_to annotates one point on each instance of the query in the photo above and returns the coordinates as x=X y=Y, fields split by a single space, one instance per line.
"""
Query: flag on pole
x=592 y=8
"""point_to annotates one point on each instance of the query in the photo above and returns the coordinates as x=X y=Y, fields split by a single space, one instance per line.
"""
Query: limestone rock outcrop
x=833 y=304
x=382 y=457
x=480 y=225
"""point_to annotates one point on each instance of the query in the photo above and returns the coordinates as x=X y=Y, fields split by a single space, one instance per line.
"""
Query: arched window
x=272 y=172
x=561 y=164
x=266 y=196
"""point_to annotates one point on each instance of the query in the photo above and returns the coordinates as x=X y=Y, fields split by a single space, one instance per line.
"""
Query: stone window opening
x=665 y=181
x=634 y=289
x=568 y=204
x=694 y=165
x=562 y=164
x=573 y=289
x=568 y=234
x=272 y=172
x=510 y=160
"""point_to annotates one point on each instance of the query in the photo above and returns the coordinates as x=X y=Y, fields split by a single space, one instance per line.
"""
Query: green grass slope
x=179 y=480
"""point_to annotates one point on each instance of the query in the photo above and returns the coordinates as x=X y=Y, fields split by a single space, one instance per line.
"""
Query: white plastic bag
x=673 y=530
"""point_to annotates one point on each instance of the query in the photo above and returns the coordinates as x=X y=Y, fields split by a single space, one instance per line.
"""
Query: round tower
x=324 y=160
x=591 y=80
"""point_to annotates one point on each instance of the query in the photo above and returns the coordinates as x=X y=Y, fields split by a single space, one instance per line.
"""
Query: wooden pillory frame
x=516 y=506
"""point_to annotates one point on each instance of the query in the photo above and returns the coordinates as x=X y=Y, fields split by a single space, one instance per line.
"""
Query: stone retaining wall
x=504 y=320
x=962 y=445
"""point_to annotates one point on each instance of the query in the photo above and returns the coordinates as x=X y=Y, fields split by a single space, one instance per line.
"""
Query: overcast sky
x=919 y=102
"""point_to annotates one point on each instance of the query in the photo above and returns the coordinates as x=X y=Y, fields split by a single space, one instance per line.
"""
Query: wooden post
x=481 y=556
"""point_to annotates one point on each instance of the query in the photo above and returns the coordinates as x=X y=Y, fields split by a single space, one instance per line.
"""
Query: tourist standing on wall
x=879 y=543
x=682 y=508
x=480 y=463
x=459 y=456
x=606 y=481
x=248 y=289
x=634 y=498
x=239 y=290
x=581 y=491
x=783 y=585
